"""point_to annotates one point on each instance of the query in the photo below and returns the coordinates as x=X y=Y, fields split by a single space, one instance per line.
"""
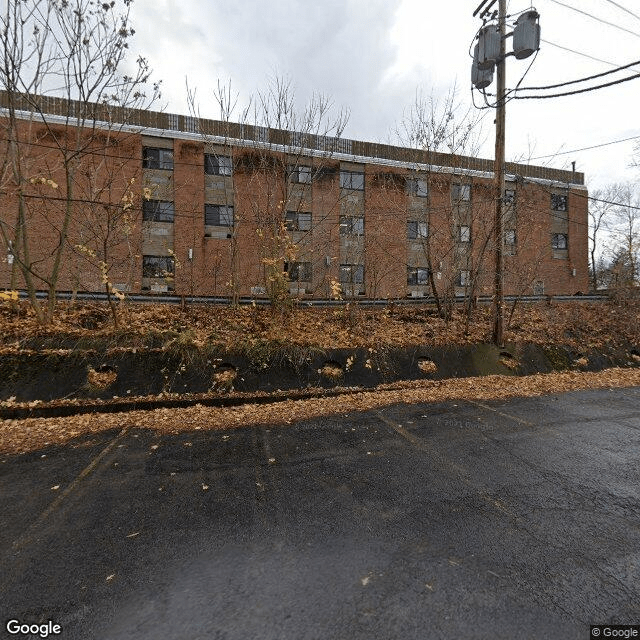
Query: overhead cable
x=615 y=4
x=577 y=91
x=590 y=15
x=595 y=146
x=568 y=82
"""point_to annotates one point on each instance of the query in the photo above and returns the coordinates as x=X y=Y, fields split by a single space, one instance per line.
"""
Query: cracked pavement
x=494 y=519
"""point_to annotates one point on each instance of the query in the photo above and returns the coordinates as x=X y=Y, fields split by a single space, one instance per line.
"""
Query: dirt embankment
x=162 y=350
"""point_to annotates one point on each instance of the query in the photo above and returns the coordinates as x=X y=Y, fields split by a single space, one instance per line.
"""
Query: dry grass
x=581 y=325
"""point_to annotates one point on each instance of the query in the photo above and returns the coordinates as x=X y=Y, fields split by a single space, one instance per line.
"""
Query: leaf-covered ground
x=579 y=325
x=582 y=325
x=22 y=436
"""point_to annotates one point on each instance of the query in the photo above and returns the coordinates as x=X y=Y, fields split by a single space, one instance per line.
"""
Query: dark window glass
x=298 y=271
x=218 y=215
x=559 y=241
x=157 y=211
x=352 y=273
x=158 y=267
x=215 y=165
x=558 y=202
x=155 y=158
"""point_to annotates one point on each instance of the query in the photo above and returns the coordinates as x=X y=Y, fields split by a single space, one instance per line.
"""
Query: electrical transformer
x=526 y=35
x=488 y=47
x=480 y=78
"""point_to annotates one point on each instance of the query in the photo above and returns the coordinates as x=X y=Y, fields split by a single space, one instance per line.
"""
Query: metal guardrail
x=213 y=300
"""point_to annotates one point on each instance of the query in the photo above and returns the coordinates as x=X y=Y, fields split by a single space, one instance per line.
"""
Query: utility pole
x=491 y=52
x=498 y=172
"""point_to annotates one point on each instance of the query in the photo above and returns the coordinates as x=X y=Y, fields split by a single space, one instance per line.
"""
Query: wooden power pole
x=498 y=172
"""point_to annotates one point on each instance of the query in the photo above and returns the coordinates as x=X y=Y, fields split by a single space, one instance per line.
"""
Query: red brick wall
x=260 y=201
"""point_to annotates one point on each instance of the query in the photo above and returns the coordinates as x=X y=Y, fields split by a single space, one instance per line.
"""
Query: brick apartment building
x=201 y=207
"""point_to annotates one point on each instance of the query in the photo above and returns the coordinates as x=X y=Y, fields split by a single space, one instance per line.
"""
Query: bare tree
x=453 y=232
x=289 y=150
x=75 y=51
x=601 y=208
x=625 y=230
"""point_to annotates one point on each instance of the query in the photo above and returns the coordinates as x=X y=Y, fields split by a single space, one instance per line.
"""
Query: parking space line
x=448 y=465
x=56 y=504
x=502 y=413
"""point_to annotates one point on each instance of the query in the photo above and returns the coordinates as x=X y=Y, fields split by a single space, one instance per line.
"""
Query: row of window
x=164 y=267
x=219 y=165
x=222 y=216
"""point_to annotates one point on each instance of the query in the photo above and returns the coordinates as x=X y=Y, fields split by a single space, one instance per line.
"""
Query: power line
x=590 y=15
x=577 y=91
x=568 y=82
x=615 y=4
x=595 y=146
x=579 y=53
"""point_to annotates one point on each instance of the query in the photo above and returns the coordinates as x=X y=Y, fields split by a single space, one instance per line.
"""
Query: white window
x=464 y=234
x=417 y=187
x=460 y=192
x=352 y=180
x=417 y=230
x=298 y=221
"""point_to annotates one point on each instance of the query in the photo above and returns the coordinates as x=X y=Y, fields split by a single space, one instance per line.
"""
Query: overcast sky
x=371 y=56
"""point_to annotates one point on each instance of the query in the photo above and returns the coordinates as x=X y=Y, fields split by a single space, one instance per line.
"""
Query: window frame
x=414 y=279
x=158 y=212
x=219 y=207
x=347 y=228
x=166 y=273
x=413 y=187
x=352 y=268
x=292 y=221
x=213 y=166
x=149 y=162
x=559 y=202
x=349 y=184
x=296 y=269
x=554 y=241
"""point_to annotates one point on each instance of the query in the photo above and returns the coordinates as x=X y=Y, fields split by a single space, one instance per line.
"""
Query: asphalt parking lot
x=516 y=519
